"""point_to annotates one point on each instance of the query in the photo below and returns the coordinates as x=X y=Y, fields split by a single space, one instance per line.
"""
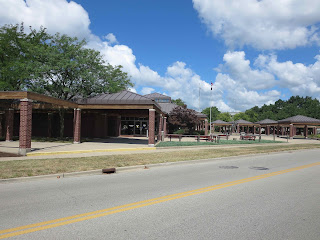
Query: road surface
x=274 y=196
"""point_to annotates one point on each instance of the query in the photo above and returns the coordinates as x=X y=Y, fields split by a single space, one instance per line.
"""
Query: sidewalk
x=113 y=146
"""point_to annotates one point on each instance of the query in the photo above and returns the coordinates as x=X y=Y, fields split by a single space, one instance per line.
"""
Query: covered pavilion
x=269 y=126
x=244 y=126
x=225 y=126
x=298 y=124
x=123 y=113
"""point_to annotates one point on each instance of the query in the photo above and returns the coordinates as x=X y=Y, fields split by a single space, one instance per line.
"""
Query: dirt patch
x=5 y=154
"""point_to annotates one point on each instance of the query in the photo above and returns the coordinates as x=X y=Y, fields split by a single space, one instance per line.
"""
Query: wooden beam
x=115 y=106
x=12 y=95
x=52 y=100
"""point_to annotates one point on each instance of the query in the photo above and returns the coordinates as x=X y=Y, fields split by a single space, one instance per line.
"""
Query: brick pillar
x=314 y=131
x=49 y=125
x=160 y=126
x=274 y=130
x=291 y=131
x=206 y=127
x=260 y=130
x=306 y=131
x=118 y=126
x=254 y=129
x=278 y=128
x=1 y=124
x=281 y=131
x=9 y=124
x=268 y=130
x=165 y=126
x=238 y=128
x=248 y=128
x=294 y=131
x=152 y=119
x=77 y=126
x=25 y=126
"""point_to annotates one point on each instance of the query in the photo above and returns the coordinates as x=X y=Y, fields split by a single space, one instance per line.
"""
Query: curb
x=132 y=168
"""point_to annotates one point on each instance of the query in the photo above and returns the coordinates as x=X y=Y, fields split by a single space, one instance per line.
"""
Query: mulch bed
x=5 y=154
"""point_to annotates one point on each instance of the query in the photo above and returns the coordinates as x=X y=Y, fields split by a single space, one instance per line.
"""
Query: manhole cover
x=259 y=168
x=228 y=167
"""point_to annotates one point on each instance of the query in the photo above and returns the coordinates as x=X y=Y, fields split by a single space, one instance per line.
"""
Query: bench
x=175 y=136
x=206 y=138
x=250 y=138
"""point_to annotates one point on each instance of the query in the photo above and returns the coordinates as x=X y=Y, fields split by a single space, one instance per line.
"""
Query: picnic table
x=175 y=136
x=206 y=138
x=248 y=137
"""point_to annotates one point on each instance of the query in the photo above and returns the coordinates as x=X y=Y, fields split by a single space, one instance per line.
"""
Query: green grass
x=35 y=167
x=222 y=142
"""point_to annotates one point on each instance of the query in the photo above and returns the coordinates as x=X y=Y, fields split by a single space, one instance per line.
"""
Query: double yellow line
x=104 y=212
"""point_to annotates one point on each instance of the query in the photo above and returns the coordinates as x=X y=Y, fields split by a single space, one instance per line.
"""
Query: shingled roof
x=300 y=119
x=220 y=122
x=123 y=97
x=167 y=107
x=241 y=121
x=157 y=96
x=267 y=121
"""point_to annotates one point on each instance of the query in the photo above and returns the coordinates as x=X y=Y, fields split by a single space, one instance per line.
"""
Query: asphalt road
x=254 y=197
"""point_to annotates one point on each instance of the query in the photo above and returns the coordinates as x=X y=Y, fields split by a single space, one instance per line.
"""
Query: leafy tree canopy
x=183 y=118
x=179 y=102
x=214 y=113
x=55 y=65
x=225 y=117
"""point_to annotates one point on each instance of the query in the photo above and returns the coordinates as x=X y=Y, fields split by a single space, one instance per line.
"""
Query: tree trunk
x=61 y=117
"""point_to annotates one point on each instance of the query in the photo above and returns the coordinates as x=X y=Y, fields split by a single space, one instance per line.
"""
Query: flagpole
x=210 y=109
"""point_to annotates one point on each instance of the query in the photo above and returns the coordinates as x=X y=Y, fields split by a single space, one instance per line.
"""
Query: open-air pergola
x=244 y=126
x=291 y=125
x=269 y=126
x=225 y=126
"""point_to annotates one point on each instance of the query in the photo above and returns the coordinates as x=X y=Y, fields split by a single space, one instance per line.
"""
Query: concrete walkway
x=111 y=146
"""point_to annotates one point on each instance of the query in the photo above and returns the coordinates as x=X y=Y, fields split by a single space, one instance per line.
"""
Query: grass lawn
x=34 y=167
x=222 y=142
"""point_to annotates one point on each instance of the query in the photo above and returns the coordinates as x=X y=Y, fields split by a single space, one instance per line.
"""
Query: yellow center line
x=104 y=212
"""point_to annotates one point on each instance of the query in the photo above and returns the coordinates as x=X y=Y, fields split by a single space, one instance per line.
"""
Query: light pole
x=210 y=108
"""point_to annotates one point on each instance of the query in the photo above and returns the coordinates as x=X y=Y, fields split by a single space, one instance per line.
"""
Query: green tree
x=242 y=116
x=19 y=61
x=214 y=113
x=225 y=116
x=179 y=102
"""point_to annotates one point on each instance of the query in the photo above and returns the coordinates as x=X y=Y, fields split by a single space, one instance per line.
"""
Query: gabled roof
x=267 y=121
x=157 y=96
x=300 y=119
x=123 y=97
x=167 y=107
x=241 y=121
x=201 y=115
x=220 y=122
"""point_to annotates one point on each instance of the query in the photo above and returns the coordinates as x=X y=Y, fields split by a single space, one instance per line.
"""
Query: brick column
x=9 y=124
x=294 y=131
x=77 y=126
x=282 y=131
x=274 y=130
x=314 y=131
x=238 y=128
x=254 y=129
x=248 y=129
x=305 y=131
x=1 y=124
x=268 y=130
x=160 y=126
x=152 y=119
x=291 y=131
x=206 y=127
x=278 y=128
x=25 y=126
x=118 y=126
x=49 y=125
x=165 y=126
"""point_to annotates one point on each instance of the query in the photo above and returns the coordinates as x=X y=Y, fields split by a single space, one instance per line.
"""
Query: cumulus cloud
x=111 y=38
x=300 y=79
x=55 y=15
x=263 y=24
x=147 y=90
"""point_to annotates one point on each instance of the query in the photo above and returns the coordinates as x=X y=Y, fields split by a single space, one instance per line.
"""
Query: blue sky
x=254 y=52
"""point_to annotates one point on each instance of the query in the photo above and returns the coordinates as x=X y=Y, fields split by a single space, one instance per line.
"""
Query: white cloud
x=111 y=38
x=55 y=15
x=147 y=90
x=263 y=24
